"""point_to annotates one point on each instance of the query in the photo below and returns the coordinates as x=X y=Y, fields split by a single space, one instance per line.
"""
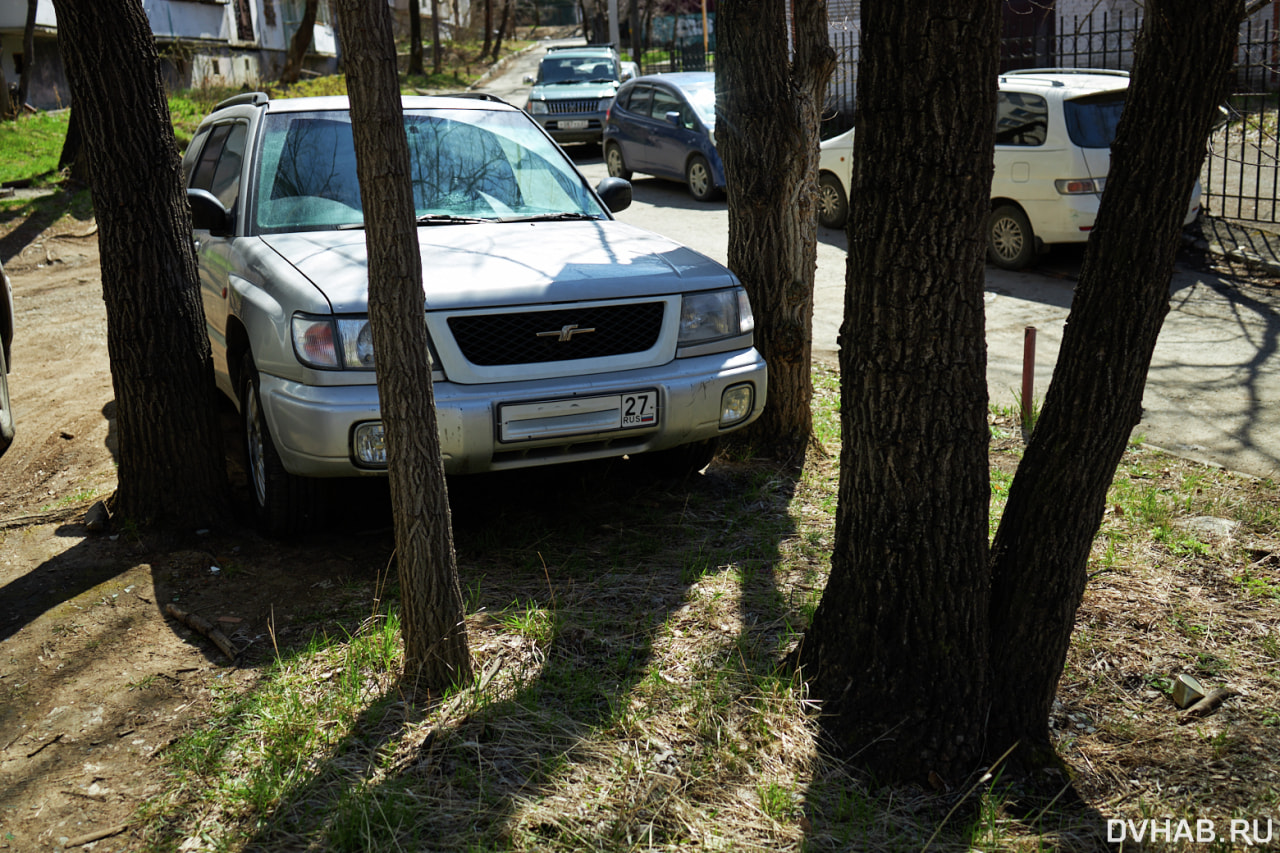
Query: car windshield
x=1092 y=120
x=467 y=164
x=702 y=96
x=577 y=69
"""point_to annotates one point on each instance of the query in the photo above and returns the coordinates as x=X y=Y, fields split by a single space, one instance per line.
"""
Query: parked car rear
x=664 y=125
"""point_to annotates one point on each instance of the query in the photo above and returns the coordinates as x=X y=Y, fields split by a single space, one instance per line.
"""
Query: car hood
x=563 y=91
x=488 y=265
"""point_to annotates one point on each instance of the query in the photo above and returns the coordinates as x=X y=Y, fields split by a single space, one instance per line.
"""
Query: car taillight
x=1079 y=186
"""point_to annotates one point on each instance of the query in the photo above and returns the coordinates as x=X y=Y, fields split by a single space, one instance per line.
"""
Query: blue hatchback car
x=664 y=125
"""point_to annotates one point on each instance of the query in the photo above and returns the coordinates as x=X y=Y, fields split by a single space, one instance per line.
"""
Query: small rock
x=97 y=519
x=1187 y=691
x=1214 y=528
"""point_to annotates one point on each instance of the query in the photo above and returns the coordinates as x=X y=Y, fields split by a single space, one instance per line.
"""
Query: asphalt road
x=1213 y=387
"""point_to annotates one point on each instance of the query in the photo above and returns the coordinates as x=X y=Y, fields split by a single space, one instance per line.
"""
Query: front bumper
x=313 y=426
x=567 y=128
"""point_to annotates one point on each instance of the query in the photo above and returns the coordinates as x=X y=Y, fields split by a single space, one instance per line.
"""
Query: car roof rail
x=478 y=96
x=609 y=45
x=253 y=99
x=1102 y=72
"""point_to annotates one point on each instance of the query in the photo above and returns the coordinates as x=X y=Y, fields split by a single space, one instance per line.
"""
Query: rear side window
x=218 y=168
x=1021 y=119
x=639 y=100
x=1092 y=120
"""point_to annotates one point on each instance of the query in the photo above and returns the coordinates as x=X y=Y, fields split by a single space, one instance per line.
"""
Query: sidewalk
x=1255 y=244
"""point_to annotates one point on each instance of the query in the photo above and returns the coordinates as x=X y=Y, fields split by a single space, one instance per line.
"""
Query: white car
x=1054 y=129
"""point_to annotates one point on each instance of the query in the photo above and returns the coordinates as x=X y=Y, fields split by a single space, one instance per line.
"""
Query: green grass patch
x=30 y=147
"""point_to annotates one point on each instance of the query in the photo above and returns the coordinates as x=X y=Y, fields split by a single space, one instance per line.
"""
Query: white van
x=1054 y=129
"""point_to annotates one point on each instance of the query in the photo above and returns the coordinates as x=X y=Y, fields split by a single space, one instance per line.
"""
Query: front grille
x=496 y=339
x=566 y=107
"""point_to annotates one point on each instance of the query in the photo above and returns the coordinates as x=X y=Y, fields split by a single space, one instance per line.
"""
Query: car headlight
x=333 y=343
x=603 y=104
x=536 y=108
x=714 y=315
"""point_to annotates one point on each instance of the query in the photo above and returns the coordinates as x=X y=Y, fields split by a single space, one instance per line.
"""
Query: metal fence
x=1240 y=173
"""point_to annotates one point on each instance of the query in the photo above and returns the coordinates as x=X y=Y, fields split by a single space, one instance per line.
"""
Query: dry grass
x=631 y=698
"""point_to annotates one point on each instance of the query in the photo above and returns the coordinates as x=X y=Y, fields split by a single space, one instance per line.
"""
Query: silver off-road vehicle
x=559 y=334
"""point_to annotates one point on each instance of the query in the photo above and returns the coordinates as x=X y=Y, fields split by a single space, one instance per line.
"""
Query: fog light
x=370 y=444
x=736 y=403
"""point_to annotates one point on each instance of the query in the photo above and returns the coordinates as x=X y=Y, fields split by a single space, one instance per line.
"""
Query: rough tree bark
x=1041 y=550
x=415 y=38
x=768 y=107
x=897 y=648
x=300 y=44
x=171 y=466
x=928 y=658
x=431 y=610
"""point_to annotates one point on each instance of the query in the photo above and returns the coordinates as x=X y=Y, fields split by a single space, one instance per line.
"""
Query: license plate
x=639 y=409
x=577 y=416
x=573 y=124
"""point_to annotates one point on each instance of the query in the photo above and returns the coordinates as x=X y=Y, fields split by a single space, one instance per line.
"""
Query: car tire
x=679 y=463
x=283 y=504
x=833 y=202
x=614 y=163
x=1011 y=244
x=697 y=174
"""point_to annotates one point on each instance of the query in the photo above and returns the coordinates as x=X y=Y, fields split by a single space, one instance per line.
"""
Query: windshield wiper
x=566 y=216
x=449 y=219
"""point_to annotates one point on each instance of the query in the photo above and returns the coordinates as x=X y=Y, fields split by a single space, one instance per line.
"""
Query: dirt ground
x=94 y=678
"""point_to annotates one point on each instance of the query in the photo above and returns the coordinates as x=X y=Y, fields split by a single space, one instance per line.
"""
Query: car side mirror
x=208 y=214
x=673 y=117
x=528 y=79
x=615 y=193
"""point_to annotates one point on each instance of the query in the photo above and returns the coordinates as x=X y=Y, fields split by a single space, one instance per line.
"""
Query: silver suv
x=559 y=334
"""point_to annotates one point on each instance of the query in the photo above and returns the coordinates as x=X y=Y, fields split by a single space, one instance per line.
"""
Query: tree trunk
x=437 y=59
x=502 y=29
x=28 y=54
x=767 y=136
x=897 y=648
x=300 y=44
x=488 y=29
x=1041 y=551
x=415 y=39
x=171 y=464
x=72 y=158
x=435 y=634
x=637 y=47
x=6 y=107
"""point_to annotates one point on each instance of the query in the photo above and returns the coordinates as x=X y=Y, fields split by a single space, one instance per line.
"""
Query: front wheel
x=1011 y=244
x=613 y=161
x=697 y=174
x=833 y=202
x=283 y=504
